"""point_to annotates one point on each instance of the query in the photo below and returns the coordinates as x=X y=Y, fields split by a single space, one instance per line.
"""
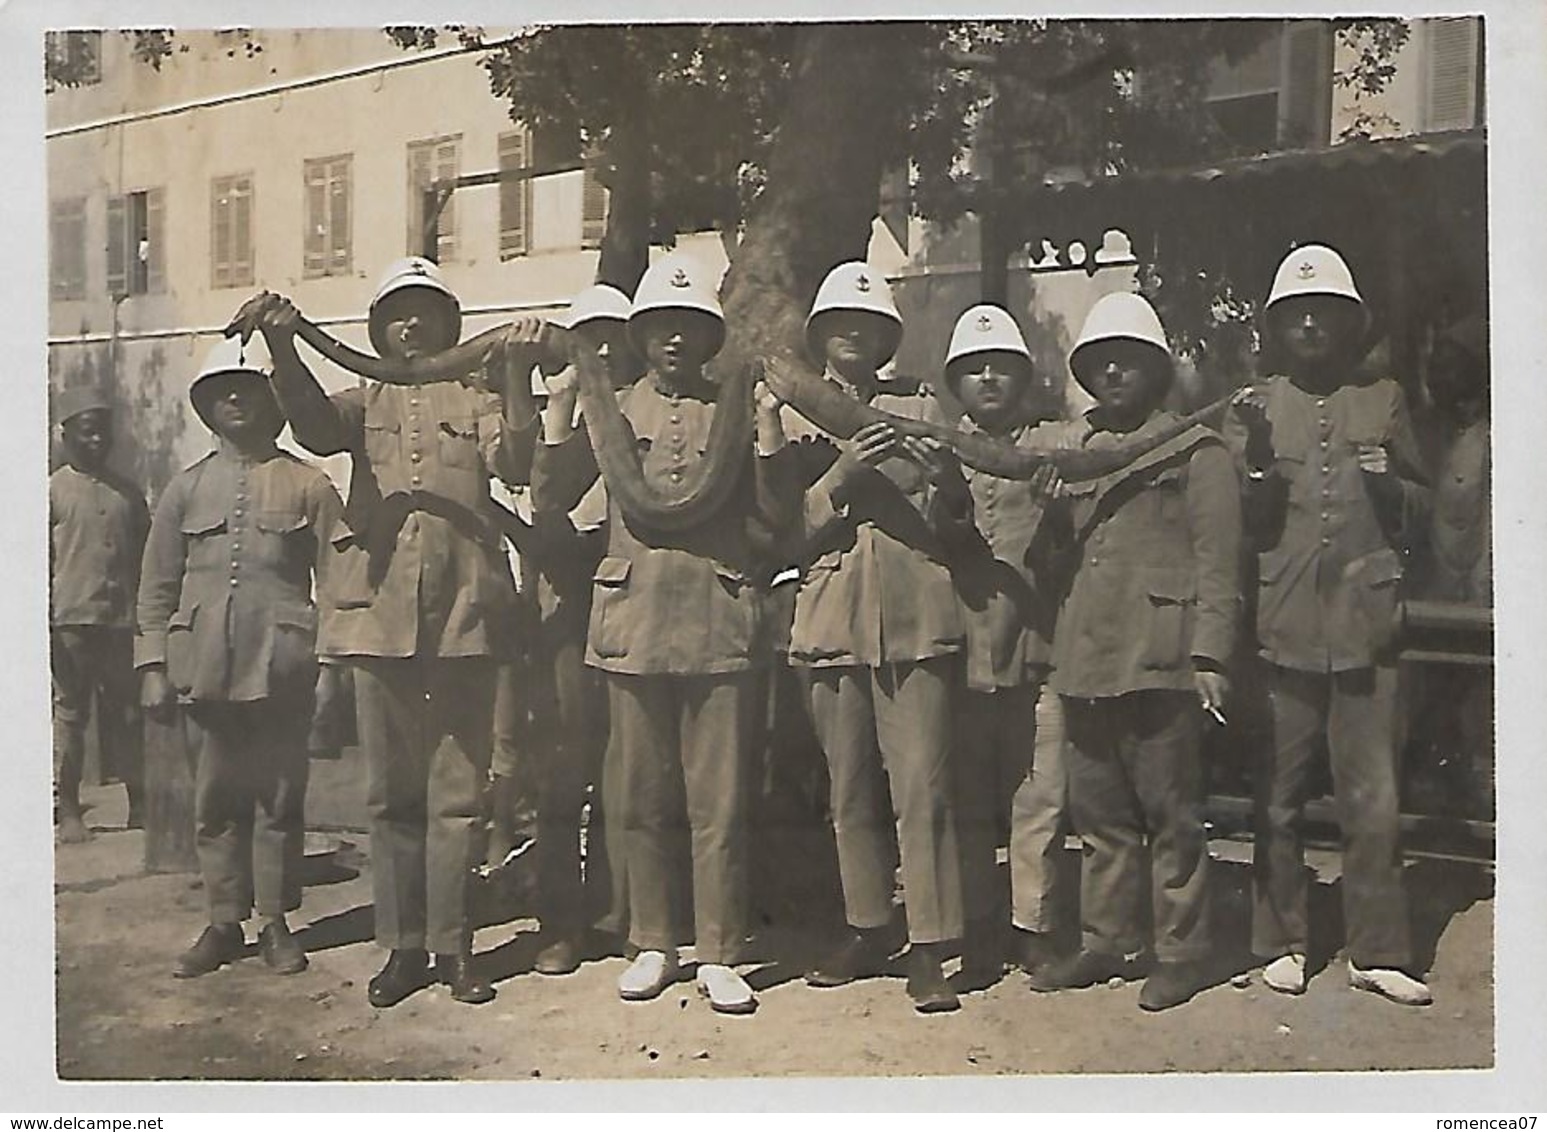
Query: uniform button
x=238 y=512
x=415 y=457
x=1326 y=493
x=1326 y=444
x=414 y=481
x=233 y=583
x=1321 y=402
x=1095 y=561
x=414 y=435
x=676 y=418
x=1325 y=515
x=1325 y=541
x=1326 y=467
x=235 y=546
x=413 y=402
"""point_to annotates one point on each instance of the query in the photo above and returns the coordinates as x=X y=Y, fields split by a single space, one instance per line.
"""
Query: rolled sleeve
x=1214 y=521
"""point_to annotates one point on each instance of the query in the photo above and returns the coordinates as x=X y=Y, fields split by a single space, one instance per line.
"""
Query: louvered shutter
x=1451 y=101
x=515 y=196
x=154 y=252
x=117 y=247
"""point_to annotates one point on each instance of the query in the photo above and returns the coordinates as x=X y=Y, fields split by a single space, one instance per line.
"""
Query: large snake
x=704 y=490
x=835 y=412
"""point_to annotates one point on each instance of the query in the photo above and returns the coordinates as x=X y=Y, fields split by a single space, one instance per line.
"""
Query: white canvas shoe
x=1389 y=983
x=727 y=992
x=649 y=974
x=1286 y=974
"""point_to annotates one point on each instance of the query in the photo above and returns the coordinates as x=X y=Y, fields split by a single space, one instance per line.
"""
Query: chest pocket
x=1170 y=497
x=381 y=442
x=457 y=437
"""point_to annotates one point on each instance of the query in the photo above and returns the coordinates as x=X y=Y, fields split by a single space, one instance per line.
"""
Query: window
x=1450 y=74
x=428 y=162
x=136 y=243
x=1279 y=96
x=593 y=209
x=230 y=242
x=67 y=249
x=72 y=58
x=327 y=245
x=515 y=196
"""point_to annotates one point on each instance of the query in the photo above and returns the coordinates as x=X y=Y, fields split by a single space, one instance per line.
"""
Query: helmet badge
x=1306 y=270
x=985 y=324
x=680 y=279
x=862 y=282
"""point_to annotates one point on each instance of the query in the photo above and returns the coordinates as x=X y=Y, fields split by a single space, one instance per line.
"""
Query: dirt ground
x=121 y=1015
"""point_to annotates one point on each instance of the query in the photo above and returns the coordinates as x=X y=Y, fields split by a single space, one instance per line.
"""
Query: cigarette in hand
x=1215 y=712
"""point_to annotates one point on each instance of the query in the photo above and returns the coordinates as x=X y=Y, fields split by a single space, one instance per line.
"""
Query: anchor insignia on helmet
x=680 y=279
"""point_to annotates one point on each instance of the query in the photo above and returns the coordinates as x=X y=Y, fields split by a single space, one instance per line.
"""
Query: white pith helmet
x=413 y=271
x=232 y=356
x=982 y=329
x=855 y=286
x=677 y=282
x=1314 y=269
x=1120 y=316
x=602 y=301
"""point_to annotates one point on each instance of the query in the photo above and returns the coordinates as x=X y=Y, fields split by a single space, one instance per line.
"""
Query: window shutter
x=220 y=233
x=593 y=209
x=155 y=239
x=515 y=196
x=313 y=243
x=117 y=247
x=418 y=182
x=446 y=169
x=1451 y=102
x=241 y=239
x=67 y=249
x=338 y=217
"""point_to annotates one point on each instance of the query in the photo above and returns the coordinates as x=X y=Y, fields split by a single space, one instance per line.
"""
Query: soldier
x=1334 y=491
x=227 y=628
x=673 y=626
x=1004 y=568
x=878 y=633
x=1139 y=655
x=571 y=699
x=424 y=603
x=97 y=524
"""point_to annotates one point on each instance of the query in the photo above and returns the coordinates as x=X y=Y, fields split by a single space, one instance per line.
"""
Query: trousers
x=887 y=735
x=1357 y=713
x=426 y=725
x=1136 y=799
x=1039 y=821
x=684 y=758
x=249 y=805
x=94 y=663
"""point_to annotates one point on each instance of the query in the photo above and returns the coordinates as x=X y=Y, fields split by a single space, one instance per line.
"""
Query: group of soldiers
x=984 y=661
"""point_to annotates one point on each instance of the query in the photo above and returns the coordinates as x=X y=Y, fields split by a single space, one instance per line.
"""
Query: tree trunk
x=625 y=251
x=823 y=190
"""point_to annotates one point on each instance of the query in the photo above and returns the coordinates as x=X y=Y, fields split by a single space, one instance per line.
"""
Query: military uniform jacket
x=1005 y=571
x=420 y=567
x=678 y=603
x=96 y=526
x=876 y=588
x=1329 y=563
x=225 y=597
x=1157 y=583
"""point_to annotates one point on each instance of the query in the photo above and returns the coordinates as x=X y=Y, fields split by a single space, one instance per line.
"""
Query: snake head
x=247 y=317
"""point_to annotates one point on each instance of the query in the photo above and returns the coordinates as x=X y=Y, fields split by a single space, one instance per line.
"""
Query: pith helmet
x=74 y=400
x=855 y=286
x=233 y=356
x=982 y=329
x=1120 y=316
x=677 y=282
x=413 y=271
x=1314 y=269
x=597 y=303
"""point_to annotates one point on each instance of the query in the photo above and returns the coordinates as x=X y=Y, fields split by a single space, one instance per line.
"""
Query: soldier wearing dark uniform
x=1334 y=492
x=228 y=629
x=424 y=600
x=97 y=522
x=1139 y=656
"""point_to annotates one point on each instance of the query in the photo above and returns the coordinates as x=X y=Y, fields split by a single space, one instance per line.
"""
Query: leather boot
x=863 y=954
x=927 y=987
x=281 y=950
x=982 y=956
x=216 y=946
x=407 y=970
x=460 y=973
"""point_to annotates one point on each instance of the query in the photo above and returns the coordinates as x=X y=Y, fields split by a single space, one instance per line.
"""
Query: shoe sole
x=1373 y=989
x=741 y=1006
x=649 y=993
x=387 y=1004
x=1281 y=988
x=936 y=1006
